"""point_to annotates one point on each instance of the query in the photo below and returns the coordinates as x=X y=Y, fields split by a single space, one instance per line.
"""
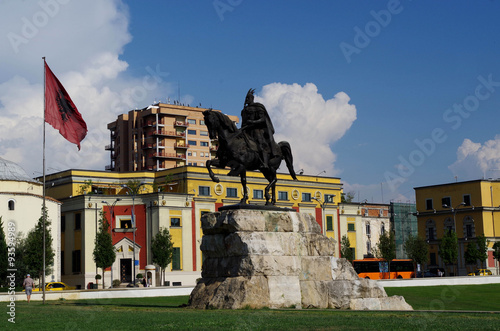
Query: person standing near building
x=28 y=286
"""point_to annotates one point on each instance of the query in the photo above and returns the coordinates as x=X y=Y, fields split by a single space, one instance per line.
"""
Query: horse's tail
x=286 y=150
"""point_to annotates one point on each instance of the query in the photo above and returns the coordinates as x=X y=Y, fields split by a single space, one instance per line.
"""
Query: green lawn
x=459 y=297
x=166 y=313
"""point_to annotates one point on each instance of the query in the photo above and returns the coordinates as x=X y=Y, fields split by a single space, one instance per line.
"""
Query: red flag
x=61 y=112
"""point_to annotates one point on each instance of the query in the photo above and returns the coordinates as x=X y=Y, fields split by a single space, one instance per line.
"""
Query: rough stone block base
x=275 y=259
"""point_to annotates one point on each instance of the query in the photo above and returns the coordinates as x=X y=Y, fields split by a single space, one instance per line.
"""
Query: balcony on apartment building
x=164 y=155
x=181 y=124
x=166 y=133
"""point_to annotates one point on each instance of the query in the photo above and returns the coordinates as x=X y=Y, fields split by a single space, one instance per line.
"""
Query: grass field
x=166 y=313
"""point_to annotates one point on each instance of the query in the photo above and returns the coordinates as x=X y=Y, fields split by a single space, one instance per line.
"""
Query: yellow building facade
x=469 y=208
x=175 y=199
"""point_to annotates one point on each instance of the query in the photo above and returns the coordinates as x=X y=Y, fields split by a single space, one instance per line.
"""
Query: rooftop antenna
x=179 y=92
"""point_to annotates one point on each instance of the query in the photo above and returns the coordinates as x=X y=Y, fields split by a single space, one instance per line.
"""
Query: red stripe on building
x=218 y=205
x=319 y=218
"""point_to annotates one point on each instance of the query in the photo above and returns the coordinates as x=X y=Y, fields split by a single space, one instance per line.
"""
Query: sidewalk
x=130 y=292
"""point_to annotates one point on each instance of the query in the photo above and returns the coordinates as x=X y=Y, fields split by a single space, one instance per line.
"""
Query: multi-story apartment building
x=161 y=136
x=175 y=199
x=469 y=208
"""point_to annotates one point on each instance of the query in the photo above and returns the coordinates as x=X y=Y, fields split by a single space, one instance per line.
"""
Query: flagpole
x=43 y=206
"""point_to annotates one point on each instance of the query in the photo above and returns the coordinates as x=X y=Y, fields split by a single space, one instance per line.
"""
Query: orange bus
x=372 y=268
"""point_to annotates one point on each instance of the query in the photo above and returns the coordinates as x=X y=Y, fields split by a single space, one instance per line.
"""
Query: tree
x=345 y=249
x=471 y=254
x=347 y=197
x=104 y=251
x=33 y=252
x=417 y=249
x=3 y=255
x=482 y=249
x=21 y=267
x=162 y=249
x=386 y=248
x=448 y=248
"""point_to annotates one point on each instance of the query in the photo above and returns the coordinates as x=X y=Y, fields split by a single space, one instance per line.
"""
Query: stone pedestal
x=277 y=259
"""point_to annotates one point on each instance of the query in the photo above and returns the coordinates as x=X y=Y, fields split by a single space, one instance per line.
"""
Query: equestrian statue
x=250 y=148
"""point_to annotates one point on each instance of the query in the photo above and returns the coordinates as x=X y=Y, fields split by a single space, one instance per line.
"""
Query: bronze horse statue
x=240 y=153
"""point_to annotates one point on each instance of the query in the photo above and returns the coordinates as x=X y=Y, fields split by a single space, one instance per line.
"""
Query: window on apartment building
x=232 y=192
x=203 y=133
x=126 y=223
x=190 y=153
x=76 y=261
x=446 y=201
x=202 y=122
x=11 y=204
x=282 y=195
x=466 y=199
x=191 y=121
x=329 y=223
x=353 y=250
x=448 y=225
x=192 y=132
x=78 y=221
x=329 y=198
x=192 y=143
x=368 y=232
x=176 y=258
x=204 y=190
x=175 y=221
x=382 y=228
x=258 y=194
x=368 y=247
x=468 y=230
x=430 y=229
x=428 y=204
x=306 y=197
x=350 y=227
x=204 y=143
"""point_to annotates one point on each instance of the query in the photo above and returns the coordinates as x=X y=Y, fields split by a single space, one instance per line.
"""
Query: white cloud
x=476 y=160
x=82 y=41
x=309 y=123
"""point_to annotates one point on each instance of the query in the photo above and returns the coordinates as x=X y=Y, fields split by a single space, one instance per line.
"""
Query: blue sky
x=386 y=95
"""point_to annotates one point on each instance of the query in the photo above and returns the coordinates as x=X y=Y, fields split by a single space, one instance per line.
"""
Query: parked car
x=481 y=272
x=432 y=272
x=55 y=286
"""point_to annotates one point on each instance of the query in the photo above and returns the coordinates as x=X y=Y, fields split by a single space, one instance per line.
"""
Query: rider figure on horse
x=256 y=125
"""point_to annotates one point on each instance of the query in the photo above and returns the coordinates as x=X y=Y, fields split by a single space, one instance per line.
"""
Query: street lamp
x=132 y=216
x=454 y=210
x=111 y=210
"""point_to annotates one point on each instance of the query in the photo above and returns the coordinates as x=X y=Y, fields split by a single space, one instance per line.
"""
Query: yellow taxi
x=481 y=272
x=55 y=286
